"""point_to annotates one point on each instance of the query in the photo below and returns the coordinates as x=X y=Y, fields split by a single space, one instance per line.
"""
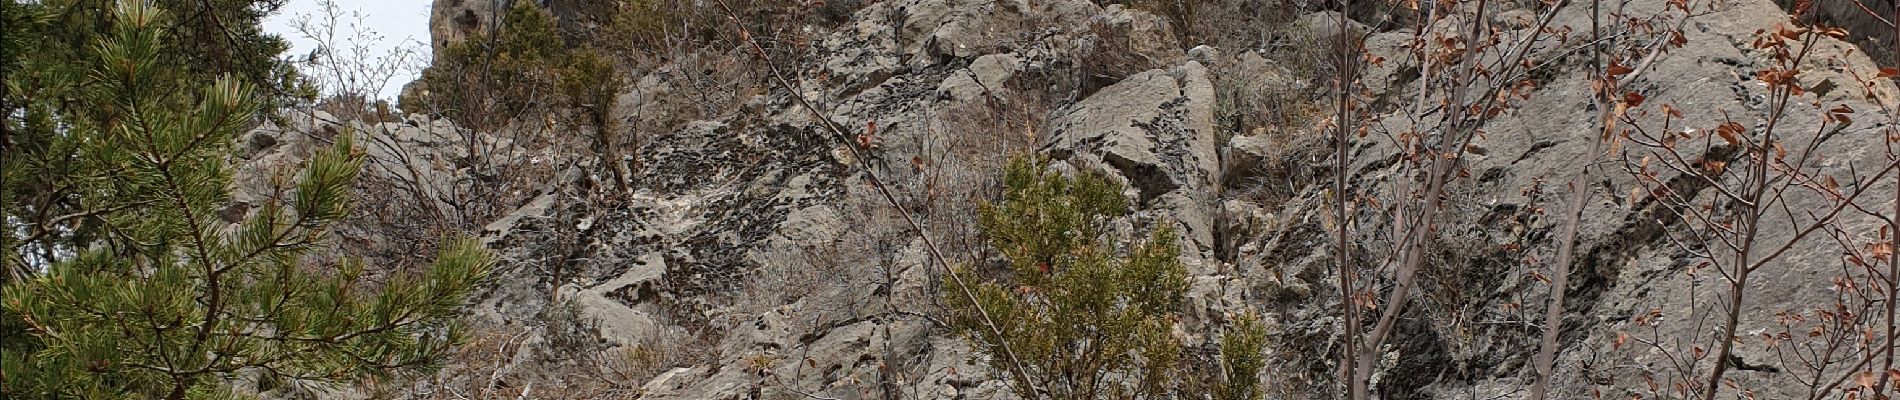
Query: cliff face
x=756 y=256
x=452 y=21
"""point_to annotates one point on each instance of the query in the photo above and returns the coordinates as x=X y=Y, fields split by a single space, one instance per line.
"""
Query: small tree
x=1088 y=320
x=499 y=76
x=590 y=85
x=526 y=70
x=1241 y=361
x=174 y=303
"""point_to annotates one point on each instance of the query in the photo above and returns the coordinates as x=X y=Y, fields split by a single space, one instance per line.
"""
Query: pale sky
x=379 y=25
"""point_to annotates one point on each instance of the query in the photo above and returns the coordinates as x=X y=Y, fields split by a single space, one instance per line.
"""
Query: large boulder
x=1155 y=130
x=1148 y=36
x=1325 y=26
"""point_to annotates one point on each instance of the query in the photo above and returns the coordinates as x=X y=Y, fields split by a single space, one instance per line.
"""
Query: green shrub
x=495 y=77
x=1086 y=320
x=1241 y=361
x=588 y=84
x=644 y=22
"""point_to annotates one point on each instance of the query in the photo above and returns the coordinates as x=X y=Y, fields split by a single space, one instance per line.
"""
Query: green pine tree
x=1087 y=320
x=1241 y=361
x=47 y=51
x=142 y=291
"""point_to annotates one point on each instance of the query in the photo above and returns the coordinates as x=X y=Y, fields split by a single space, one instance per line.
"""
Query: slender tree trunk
x=1405 y=277
x=1342 y=256
x=1747 y=231
x=1581 y=190
x=1727 y=334
x=1892 y=283
x=1413 y=235
x=1893 y=242
x=1893 y=227
x=1560 y=280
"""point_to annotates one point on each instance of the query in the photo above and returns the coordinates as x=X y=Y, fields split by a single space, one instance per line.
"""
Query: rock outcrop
x=1154 y=130
x=1496 y=228
x=758 y=232
x=453 y=21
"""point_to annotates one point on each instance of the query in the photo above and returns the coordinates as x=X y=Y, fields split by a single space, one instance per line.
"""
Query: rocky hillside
x=754 y=257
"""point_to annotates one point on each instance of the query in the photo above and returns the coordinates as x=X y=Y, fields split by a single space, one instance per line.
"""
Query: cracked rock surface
x=728 y=210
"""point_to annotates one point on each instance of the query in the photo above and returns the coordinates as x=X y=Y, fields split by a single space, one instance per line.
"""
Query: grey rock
x=452 y=21
x=1155 y=128
x=1149 y=36
x=937 y=29
x=1626 y=266
x=1517 y=18
x=1204 y=54
x=1873 y=33
x=1382 y=79
x=1324 y=26
x=984 y=77
x=1247 y=154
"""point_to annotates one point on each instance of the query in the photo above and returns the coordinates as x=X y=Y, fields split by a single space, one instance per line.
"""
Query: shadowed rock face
x=726 y=206
x=1867 y=20
x=451 y=21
